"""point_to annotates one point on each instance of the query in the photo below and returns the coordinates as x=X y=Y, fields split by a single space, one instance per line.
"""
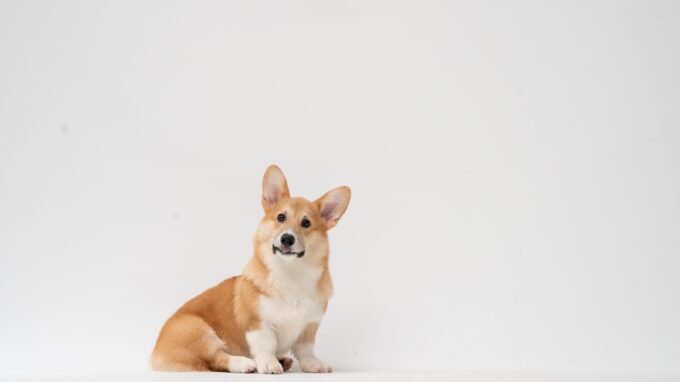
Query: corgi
x=253 y=321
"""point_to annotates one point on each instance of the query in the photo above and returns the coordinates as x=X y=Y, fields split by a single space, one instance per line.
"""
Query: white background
x=515 y=170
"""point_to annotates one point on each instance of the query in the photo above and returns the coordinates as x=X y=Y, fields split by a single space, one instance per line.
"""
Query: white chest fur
x=295 y=304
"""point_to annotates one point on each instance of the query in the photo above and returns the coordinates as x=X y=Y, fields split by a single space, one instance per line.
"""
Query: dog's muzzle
x=288 y=244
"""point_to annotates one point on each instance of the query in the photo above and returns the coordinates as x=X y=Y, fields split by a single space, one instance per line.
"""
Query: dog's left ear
x=332 y=205
x=274 y=187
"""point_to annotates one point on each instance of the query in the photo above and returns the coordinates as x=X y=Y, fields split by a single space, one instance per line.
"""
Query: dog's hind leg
x=222 y=361
x=219 y=360
x=187 y=343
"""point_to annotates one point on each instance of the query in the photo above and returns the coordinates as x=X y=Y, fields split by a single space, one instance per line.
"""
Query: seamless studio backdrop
x=514 y=166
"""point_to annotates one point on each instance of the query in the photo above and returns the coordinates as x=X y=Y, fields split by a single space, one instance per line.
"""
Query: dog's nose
x=287 y=239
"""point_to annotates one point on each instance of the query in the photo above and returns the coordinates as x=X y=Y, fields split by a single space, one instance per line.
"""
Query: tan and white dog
x=253 y=321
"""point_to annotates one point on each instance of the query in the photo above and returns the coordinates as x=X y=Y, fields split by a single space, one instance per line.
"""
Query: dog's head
x=294 y=228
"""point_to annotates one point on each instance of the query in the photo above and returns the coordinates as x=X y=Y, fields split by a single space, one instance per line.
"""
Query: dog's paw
x=286 y=363
x=314 y=365
x=241 y=364
x=269 y=366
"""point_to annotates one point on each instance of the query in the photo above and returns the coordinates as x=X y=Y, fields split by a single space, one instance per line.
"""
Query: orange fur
x=209 y=331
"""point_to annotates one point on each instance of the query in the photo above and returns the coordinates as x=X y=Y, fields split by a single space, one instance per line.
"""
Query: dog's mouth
x=287 y=252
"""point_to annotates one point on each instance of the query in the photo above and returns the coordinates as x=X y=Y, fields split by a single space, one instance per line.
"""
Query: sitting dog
x=251 y=322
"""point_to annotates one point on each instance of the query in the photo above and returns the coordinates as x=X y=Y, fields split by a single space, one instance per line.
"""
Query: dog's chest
x=289 y=312
x=289 y=318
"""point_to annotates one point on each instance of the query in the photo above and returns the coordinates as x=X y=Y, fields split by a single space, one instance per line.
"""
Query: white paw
x=269 y=365
x=241 y=364
x=314 y=365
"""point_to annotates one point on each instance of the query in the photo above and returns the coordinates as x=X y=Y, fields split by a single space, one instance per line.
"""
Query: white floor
x=425 y=376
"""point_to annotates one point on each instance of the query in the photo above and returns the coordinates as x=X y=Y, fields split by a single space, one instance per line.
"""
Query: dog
x=252 y=322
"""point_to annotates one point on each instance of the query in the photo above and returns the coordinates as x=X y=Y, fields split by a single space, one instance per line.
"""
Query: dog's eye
x=281 y=218
x=305 y=223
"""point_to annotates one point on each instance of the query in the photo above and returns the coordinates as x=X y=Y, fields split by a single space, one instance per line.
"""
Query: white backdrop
x=515 y=171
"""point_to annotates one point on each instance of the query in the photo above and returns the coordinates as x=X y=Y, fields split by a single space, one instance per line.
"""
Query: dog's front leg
x=262 y=343
x=304 y=352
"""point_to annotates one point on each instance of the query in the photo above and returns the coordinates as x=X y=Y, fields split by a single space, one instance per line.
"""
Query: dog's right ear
x=274 y=187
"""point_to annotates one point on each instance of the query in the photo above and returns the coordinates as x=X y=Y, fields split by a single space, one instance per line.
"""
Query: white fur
x=308 y=361
x=296 y=302
x=269 y=365
x=239 y=364
x=262 y=344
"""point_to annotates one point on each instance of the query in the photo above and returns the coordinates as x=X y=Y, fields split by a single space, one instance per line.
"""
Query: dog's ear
x=332 y=205
x=274 y=187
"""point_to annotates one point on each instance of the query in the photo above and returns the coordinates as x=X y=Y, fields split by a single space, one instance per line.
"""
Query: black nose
x=287 y=239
